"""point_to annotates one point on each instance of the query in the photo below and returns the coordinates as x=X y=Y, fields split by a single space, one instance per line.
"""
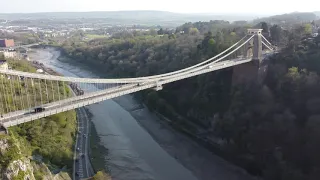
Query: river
x=140 y=147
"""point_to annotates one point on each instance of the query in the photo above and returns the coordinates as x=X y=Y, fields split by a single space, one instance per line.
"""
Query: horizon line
x=193 y=13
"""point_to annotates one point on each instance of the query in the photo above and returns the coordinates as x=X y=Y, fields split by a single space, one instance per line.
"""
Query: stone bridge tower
x=251 y=71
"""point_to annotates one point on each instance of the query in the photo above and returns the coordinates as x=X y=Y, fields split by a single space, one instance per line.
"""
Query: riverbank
x=179 y=145
x=203 y=163
x=96 y=150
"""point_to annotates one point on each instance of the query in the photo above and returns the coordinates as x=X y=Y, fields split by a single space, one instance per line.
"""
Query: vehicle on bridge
x=81 y=92
x=39 y=109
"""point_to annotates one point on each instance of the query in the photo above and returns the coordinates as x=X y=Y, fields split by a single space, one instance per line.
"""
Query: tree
x=211 y=42
x=275 y=32
x=193 y=31
x=264 y=27
x=101 y=175
x=172 y=36
x=307 y=28
x=153 y=32
x=317 y=41
x=233 y=34
x=1 y=56
x=161 y=32
x=136 y=33
x=219 y=37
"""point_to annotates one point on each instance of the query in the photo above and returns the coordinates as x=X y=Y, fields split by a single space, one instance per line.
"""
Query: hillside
x=128 y=17
x=317 y=13
x=37 y=148
x=290 y=18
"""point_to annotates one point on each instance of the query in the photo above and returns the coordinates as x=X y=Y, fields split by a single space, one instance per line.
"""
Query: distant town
x=15 y=34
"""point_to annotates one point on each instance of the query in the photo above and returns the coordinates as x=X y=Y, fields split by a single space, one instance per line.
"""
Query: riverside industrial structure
x=6 y=43
x=9 y=50
x=6 y=47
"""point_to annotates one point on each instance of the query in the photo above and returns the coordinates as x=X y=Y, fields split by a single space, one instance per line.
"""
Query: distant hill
x=153 y=18
x=289 y=18
x=130 y=17
x=317 y=13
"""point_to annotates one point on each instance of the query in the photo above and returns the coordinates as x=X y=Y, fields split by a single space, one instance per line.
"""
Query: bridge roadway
x=22 y=46
x=95 y=97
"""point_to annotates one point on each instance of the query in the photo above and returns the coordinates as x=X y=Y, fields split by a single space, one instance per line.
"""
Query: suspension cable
x=64 y=90
x=20 y=89
x=45 y=81
x=41 y=102
x=58 y=90
x=1 y=102
x=4 y=96
x=52 y=91
x=266 y=40
x=221 y=58
x=13 y=101
x=125 y=80
x=34 y=92
x=27 y=90
x=267 y=46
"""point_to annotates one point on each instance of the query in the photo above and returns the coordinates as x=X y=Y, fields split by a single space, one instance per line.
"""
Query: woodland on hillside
x=50 y=139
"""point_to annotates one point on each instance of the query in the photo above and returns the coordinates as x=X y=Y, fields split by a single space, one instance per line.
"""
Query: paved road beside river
x=82 y=164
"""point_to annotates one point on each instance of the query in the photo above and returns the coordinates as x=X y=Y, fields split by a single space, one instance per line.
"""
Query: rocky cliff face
x=46 y=173
x=19 y=169
x=14 y=166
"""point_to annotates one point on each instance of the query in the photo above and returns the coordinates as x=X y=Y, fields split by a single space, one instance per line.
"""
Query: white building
x=10 y=54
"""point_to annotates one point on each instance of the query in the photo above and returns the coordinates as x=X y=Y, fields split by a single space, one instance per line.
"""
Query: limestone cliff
x=15 y=166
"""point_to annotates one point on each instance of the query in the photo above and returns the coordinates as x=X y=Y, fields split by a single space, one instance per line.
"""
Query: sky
x=179 y=6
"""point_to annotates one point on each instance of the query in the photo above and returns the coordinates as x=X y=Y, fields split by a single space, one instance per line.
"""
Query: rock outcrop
x=13 y=165
x=18 y=168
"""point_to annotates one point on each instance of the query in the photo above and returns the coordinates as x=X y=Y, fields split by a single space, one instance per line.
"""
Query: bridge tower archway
x=254 y=47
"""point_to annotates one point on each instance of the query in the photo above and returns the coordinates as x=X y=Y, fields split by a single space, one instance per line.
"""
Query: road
x=82 y=165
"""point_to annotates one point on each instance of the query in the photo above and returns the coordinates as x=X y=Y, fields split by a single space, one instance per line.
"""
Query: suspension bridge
x=20 y=46
x=30 y=96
